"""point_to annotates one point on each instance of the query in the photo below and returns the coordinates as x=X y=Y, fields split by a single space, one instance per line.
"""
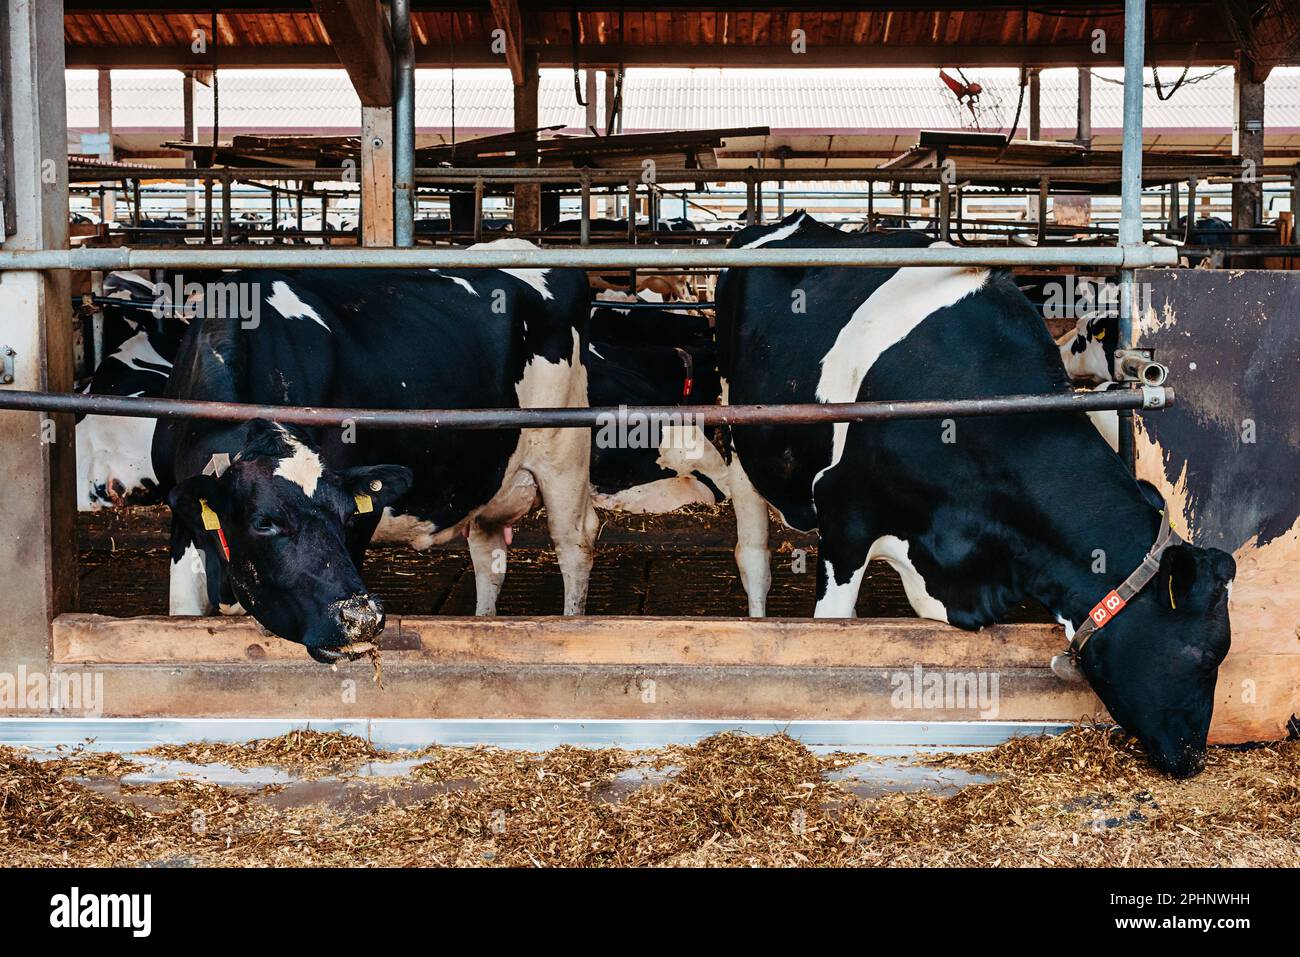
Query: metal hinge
x=7 y=365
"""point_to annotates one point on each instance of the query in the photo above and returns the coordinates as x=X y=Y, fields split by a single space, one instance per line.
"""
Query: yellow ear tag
x=1099 y=335
x=210 y=520
x=364 y=504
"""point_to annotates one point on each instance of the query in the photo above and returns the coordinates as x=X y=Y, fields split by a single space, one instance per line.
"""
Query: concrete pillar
x=38 y=560
x=1247 y=143
x=528 y=196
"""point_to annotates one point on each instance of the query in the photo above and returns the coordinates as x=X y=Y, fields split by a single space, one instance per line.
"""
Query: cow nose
x=361 y=618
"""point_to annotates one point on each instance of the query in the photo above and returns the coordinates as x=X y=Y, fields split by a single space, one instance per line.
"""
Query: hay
x=307 y=753
x=1080 y=799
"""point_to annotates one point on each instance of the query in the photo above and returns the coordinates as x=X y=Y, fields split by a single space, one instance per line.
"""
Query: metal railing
x=1147 y=397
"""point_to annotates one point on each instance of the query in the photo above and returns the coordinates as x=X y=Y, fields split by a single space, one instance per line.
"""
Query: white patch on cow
x=286 y=302
x=458 y=280
x=1069 y=627
x=1090 y=364
x=776 y=234
x=112 y=448
x=303 y=467
x=188 y=584
x=753 y=557
x=534 y=277
x=235 y=609
x=657 y=497
x=683 y=450
x=898 y=306
x=409 y=530
x=1107 y=422
x=894 y=550
x=840 y=601
x=591 y=347
x=136 y=351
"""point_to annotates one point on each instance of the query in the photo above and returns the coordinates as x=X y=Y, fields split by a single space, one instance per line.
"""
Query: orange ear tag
x=364 y=504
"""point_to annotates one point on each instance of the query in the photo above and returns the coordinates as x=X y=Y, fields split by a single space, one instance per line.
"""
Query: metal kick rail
x=1146 y=397
x=1131 y=256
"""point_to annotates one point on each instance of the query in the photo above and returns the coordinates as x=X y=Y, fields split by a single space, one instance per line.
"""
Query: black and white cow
x=661 y=358
x=282 y=528
x=968 y=512
x=114 y=465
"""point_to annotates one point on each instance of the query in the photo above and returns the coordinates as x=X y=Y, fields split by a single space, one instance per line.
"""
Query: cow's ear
x=200 y=503
x=1191 y=579
x=1151 y=494
x=374 y=487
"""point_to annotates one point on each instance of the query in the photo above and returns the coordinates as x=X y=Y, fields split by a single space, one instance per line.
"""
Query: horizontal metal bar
x=529 y=734
x=1149 y=397
x=329 y=257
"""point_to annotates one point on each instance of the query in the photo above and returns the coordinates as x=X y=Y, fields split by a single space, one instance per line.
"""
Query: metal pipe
x=584 y=221
x=1138 y=368
x=483 y=419
x=403 y=125
x=642 y=257
x=1130 y=217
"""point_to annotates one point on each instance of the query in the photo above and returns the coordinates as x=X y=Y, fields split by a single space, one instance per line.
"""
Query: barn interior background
x=457 y=121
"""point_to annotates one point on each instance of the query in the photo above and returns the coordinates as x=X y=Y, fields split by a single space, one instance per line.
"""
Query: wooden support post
x=191 y=136
x=108 y=203
x=1083 y=122
x=38 y=558
x=1035 y=106
x=1248 y=144
x=376 y=176
x=528 y=196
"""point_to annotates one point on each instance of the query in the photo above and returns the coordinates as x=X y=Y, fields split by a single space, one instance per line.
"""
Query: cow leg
x=841 y=564
x=572 y=522
x=753 y=558
x=188 y=583
x=487 y=549
x=843 y=545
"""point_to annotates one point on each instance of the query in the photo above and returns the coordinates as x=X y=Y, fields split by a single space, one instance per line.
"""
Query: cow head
x=1155 y=664
x=1088 y=353
x=289 y=524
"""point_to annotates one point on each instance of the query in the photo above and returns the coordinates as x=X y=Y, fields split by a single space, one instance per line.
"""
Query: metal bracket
x=1140 y=366
x=7 y=365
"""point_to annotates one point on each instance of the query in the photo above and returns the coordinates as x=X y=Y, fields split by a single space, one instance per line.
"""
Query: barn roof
x=812 y=102
x=145 y=33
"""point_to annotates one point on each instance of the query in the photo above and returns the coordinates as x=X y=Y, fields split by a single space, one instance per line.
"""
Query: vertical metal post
x=945 y=212
x=478 y=210
x=135 y=202
x=403 y=125
x=780 y=189
x=207 y=210
x=275 y=209
x=226 y=183
x=584 y=220
x=631 y=211
x=1044 y=188
x=1130 y=215
x=1191 y=209
x=871 y=205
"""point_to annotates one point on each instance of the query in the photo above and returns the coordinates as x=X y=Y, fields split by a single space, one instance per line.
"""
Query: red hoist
x=967 y=92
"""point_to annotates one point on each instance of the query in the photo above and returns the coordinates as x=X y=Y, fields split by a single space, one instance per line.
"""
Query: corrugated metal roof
x=842 y=101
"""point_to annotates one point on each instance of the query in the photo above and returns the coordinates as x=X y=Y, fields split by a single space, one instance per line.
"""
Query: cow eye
x=265 y=526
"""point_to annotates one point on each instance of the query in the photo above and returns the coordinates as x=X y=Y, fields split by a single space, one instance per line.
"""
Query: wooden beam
x=376 y=176
x=38 y=559
x=358 y=32
x=575 y=667
x=599 y=55
x=528 y=196
x=509 y=19
x=1248 y=144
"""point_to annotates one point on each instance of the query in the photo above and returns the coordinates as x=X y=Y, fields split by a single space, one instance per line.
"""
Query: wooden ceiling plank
x=358 y=31
x=510 y=20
